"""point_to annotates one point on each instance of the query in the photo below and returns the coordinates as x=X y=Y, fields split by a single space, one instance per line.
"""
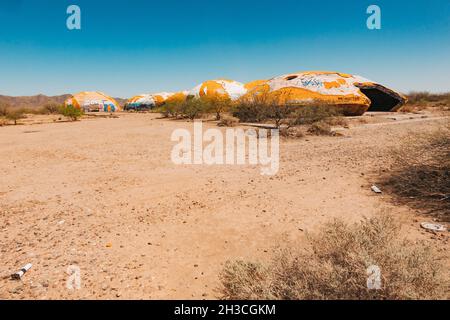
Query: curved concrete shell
x=148 y=101
x=177 y=97
x=219 y=88
x=354 y=94
x=253 y=84
x=142 y=101
x=93 y=102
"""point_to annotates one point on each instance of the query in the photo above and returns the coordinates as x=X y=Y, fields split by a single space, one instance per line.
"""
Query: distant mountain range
x=38 y=101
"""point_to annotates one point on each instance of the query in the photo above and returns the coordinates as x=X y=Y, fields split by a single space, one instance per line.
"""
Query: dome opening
x=380 y=98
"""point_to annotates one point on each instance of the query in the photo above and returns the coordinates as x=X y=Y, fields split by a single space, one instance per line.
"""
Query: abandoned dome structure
x=142 y=101
x=149 y=101
x=253 y=84
x=219 y=88
x=354 y=94
x=93 y=101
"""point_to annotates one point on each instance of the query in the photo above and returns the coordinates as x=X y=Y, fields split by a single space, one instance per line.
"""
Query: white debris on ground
x=435 y=227
x=375 y=189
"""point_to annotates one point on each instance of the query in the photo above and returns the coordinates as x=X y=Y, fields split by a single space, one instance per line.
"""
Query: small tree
x=15 y=115
x=194 y=108
x=218 y=105
x=171 y=109
x=71 y=112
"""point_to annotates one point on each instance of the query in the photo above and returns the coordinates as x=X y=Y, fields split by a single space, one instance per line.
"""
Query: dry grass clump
x=227 y=121
x=418 y=101
x=50 y=108
x=337 y=267
x=424 y=96
x=292 y=132
x=420 y=173
x=321 y=128
x=337 y=121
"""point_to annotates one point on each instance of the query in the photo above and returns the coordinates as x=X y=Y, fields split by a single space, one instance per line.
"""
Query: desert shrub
x=310 y=114
x=15 y=115
x=217 y=105
x=337 y=121
x=249 y=112
x=320 y=128
x=418 y=101
x=419 y=175
x=254 y=108
x=192 y=108
x=170 y=109
x=424 y=96
x=407 y=108
x=228 y=121
x=336 y=267
x=50 y=109
x=291 y=132
x=71 y=112
x=265 y=109
x=4 y=109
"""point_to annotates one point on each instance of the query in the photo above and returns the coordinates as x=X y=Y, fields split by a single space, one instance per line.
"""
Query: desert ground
x=103 y=194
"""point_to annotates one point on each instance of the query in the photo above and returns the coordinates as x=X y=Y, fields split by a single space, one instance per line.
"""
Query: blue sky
x=130 y=47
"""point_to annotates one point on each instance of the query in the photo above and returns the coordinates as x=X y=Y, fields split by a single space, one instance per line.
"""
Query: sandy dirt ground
x=103 y=194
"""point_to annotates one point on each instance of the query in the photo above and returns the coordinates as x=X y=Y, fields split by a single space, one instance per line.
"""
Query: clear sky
x=135 y=46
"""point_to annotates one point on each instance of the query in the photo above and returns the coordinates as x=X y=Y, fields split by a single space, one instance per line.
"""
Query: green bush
x=249 y=112
x=283 y=114
x=190 y=108
x=71 y=112
x=194 y=108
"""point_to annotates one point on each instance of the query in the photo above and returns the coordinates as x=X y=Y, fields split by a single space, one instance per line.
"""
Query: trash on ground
x=433 y=226
x=18 y=275
x=375 y=189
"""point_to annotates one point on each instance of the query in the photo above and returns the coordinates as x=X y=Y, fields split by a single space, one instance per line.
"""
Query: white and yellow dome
x=142 y=100
x=253 y=84
x=155 y=99
x=93 y=101
x=354 y=94
x=219 y=88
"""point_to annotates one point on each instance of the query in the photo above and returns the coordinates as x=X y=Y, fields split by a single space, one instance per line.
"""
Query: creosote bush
x=71 y=112
x=193 y=108
x=262 y=108
x=15 y=115
x=336 y=267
